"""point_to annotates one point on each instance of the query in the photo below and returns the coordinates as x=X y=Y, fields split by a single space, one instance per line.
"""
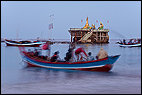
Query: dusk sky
x=31 y=19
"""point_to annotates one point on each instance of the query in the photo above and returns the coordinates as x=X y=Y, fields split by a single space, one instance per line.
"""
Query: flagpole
x=108 y=23
x=51 y=25
x=50 y=30
x=82 y=23
x=96 y=22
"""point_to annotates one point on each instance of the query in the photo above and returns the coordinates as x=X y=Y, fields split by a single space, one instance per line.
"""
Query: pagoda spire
x=86 y=25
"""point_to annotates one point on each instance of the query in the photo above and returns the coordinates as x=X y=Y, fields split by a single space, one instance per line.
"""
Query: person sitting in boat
x=55 y=57
x=69 y=55
x=30 y=52
x=130 y=41
x=72 y=46
x=78 y=53
x=102 y=54
x=36 y=53
x=124 y=41
x=139 y=41
x=135 y=41
x=90 y=57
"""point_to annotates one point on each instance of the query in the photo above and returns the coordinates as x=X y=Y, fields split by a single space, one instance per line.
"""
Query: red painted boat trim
x=105 y=68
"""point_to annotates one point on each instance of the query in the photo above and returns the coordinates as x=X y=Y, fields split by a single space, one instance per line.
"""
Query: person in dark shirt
x=90 y=57
x=124 y=41
x=36 y=53
x=68 y=55
x=54 y=57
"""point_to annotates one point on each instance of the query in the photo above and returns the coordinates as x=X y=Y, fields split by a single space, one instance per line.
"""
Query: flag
x=97 y=21
x=107 y=21
x=81 y=21
x=45 y=46
x=51 y=26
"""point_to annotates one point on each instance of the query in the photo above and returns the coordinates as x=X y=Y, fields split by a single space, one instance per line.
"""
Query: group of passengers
x=131 y=41
x=78 y=53
x=37 y=53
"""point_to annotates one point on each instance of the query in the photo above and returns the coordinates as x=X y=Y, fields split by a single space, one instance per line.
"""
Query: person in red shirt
x=45 y=46
x=78 y=52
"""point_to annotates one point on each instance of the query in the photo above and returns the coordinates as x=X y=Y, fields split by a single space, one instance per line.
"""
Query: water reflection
x=35 y=74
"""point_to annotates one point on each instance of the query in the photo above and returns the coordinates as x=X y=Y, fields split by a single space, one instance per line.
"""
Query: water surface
x=124 y=78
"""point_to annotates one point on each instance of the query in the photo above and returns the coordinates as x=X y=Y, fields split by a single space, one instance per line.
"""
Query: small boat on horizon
x=23 y=43
x=130 y=43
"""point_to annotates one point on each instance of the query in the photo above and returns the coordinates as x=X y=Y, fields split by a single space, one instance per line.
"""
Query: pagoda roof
x=85 y=29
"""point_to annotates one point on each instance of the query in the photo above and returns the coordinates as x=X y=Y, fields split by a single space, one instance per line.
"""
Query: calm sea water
x=124 y=78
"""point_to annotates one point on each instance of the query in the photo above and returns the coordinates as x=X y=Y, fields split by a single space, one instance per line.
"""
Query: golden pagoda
x=89 y=34
x=87 y=25
x=101 y=26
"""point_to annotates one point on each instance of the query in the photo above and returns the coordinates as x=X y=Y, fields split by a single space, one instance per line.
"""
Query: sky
x=31 y=19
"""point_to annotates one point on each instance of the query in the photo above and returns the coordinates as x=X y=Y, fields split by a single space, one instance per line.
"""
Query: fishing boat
x=23 y=43
x=103 y=65
x=130 y=45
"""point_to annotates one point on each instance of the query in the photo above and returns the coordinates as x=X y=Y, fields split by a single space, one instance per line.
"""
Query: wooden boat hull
x=31 y=44
x=103 y=65
x=133 y=45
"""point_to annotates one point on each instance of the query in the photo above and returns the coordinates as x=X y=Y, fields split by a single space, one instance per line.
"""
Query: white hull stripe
x=131 y=45
x=62 y=67
x=24 y=44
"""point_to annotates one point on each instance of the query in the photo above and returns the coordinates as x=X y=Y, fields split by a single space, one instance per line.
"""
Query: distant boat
x=136 y=43
x=102 y=65
x=23 y=43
